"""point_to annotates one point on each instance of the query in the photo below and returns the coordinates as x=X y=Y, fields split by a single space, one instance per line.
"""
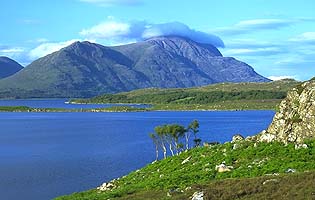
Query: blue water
x=59 y=103
x=44 y=155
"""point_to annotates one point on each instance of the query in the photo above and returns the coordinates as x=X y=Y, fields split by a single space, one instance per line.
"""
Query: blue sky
x=276 y=37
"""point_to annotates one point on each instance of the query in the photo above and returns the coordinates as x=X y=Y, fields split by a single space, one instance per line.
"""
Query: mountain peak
x=85 y=69
x=184 y=45
x=8 y=67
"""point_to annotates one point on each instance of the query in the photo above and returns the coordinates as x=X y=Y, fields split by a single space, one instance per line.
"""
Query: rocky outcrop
x=107 y=186
x=295 y=120
x=237 y=138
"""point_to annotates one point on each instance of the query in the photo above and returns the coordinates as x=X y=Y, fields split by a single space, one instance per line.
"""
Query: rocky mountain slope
x=8 y=67
x=85 y=69
x=295 y=120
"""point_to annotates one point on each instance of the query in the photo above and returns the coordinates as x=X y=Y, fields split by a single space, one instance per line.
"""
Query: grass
x=251 y=162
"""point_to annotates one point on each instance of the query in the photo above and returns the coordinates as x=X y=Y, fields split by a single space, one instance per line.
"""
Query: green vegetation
x=15 y=109
x=29 y=109
x=223 y=96
x=194 y=170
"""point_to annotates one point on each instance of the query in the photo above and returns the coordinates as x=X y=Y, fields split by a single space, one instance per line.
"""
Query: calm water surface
x=44 y=155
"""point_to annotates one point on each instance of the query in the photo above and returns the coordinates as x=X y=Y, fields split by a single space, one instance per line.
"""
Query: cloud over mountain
x=141 y=30
x=49 y=47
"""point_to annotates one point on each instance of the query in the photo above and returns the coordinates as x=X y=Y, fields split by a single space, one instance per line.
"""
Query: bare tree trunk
x=164 y=150
x=176 y=147
x=171 y=149
x=156 y=153
x=187 y=136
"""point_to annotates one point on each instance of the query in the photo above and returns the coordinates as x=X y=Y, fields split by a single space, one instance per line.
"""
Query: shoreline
x=60 y=110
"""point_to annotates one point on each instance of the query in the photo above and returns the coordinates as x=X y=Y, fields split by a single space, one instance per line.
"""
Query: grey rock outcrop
x=295 y=120
x=237 y=138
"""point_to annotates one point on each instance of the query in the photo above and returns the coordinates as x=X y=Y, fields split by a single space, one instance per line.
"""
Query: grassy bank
x=109 y=109
x=252 y=163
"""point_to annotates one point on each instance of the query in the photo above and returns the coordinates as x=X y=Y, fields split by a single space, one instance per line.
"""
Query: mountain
x=8 y=67
x=85 y=69
x=295 y=120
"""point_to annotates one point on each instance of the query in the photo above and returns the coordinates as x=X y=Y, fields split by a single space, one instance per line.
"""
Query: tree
x=172 y=135
x=177 y=132
x=193 y=127
x=156 y=142
x=160 y=132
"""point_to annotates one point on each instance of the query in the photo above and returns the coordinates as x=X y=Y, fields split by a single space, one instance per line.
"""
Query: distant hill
x=85 y=69
x=222 y=96
x=8 y=67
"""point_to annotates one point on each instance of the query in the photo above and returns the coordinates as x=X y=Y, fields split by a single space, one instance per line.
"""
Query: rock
x=290 y=170
x=197 y=196
x=223 y=168
x=186 y=160
x=299 y=146
x=188 y=188
x=295 y=120
x=106 y=186
x=237 y=138
x=270 y=181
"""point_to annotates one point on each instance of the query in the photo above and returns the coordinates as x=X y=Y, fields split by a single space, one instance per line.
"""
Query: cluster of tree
x=174 y=137
x=189 y=97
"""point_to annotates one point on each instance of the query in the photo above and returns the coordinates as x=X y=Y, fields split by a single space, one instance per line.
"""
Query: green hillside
x=213 y=97
x=257 y=171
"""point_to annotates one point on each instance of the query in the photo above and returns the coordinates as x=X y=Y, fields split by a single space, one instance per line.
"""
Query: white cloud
x=106 y=30
x=11 y=50
x=277 y=78
x=107 y=3
x=304 y=37
x=264 y=23
x=266 y=51
x=253 y=25
x=115 y=31
x=47 y=48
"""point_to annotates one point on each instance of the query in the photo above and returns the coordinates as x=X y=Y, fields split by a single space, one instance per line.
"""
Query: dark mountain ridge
x=85 y=69
x=8 y=67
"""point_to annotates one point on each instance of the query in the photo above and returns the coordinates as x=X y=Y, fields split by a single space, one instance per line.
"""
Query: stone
x=237 y=138
x=106 y=186
x=197 y=196
x=299 y=146
x=270 y=181
x=186 y=160
x=290 y=170
x=223 y=168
